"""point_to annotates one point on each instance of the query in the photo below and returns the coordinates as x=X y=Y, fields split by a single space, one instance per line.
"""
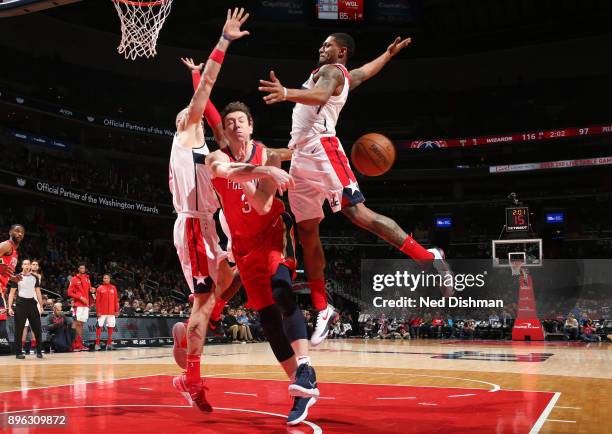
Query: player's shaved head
x=344 y=40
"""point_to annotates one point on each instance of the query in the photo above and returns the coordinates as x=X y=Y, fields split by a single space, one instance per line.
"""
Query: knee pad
x=282 y=290
x=272 y=324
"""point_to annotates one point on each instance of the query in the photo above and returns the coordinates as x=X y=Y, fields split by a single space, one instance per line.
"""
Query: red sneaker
x=194 y=393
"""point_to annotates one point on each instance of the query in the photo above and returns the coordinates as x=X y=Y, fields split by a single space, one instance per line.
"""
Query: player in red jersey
x=321 y=170
x=203 y=262
x=80 y=291
x=246 y=179
x=107 y=309
x=9 y=257
x=213 y=118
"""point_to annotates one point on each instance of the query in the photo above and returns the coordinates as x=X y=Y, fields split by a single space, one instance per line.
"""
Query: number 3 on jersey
x=246 y=206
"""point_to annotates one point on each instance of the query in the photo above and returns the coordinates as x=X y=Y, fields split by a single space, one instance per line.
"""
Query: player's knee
x=272 y=325
x=282 y=290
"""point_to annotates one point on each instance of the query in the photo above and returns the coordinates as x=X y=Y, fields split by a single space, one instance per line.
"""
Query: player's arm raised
x=213 y=118
x=231 y=32
x=261 y=197
x=370 y=69
x=328 y=79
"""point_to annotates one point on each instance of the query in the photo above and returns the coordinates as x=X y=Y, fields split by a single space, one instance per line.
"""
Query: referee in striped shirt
x=26 y=306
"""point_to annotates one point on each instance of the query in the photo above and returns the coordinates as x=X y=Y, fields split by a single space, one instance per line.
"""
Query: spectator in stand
x=402 y=330
x=107 y=309
x=415 y=327
x=230 y=323
x=59 y=329
x=79 y=290
x=368 y=329
x=570 y=329
x=137 y=309
x=243 y=320
x=127 y=309
x=437 y=323
x=256 y=328
x=469 y=329
x=383 y=330
x=309 y=324
x=588 y=332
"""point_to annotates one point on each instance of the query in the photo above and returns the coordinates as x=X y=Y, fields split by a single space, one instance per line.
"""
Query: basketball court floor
x=417 y=386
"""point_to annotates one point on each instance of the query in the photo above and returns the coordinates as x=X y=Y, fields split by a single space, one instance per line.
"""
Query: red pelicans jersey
x=11 y=260
x=190 y=181
x=312 y=122
x=245 y=224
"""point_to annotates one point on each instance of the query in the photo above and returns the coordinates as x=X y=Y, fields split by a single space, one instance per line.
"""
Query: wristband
x=227 y=38
x=217 y=56
x=284 y=94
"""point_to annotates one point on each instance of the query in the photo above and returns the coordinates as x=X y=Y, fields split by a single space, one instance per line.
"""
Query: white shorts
x=197 y=246
x=82 y=313
x=226 y=231
x=108 y=319
x=321 y=171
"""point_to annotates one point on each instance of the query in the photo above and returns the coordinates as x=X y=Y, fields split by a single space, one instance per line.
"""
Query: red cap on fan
x=190 y=298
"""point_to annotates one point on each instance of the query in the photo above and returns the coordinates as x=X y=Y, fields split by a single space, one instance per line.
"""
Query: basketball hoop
x=516 y=265
x=140 y=26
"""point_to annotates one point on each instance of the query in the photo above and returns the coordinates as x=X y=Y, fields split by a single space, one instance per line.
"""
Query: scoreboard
x=517 y=219
x=341 y=10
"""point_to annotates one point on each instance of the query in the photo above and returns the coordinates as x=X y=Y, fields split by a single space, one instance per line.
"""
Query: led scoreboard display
x=342 y=10
x=517 y=219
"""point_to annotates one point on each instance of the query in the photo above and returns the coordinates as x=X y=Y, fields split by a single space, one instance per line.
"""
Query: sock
x=98 y=333
x=23 y=345
x=193 y=368
x=318 y=294
x=415 y=250
x=109 y=340
x=303 y=359
x=216 y=312
x=33 y=344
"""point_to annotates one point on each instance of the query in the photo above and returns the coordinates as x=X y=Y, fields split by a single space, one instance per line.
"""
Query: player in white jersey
x=203 y=261
x=321 y=170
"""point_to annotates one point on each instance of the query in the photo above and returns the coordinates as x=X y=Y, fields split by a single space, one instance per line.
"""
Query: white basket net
x=141 y=23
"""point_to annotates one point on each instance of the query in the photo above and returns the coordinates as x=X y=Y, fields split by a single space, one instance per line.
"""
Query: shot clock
x=517 y=219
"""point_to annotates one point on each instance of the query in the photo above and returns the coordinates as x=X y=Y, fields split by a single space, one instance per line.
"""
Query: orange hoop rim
x=142 y=4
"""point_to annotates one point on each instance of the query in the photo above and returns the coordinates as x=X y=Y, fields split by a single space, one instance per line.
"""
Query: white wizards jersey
x=191 y=181
x=310 y=122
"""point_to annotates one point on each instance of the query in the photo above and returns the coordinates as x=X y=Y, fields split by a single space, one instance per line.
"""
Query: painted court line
x=80 y=382
x=401 y=397
x=239 y=393
x=538 y=425
x=465 y=394
x=426 y=403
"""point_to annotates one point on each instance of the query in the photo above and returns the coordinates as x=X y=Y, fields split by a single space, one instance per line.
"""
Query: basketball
x=373 y=154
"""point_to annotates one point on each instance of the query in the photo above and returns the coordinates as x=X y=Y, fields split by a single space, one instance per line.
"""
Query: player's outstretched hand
x=398 y=45
x=189 y=63
x=282 y=179
x=235 y=19
x=276 y=91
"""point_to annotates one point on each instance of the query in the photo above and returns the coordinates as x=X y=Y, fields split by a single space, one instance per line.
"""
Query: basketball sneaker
x=443 y=269
x=305 y=384
x=194 y=393
x=180 y=344
x=97 y=347
x=299 y=411
x=325 y=320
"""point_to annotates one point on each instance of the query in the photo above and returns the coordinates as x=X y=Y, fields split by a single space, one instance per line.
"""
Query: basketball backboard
x=526 y=251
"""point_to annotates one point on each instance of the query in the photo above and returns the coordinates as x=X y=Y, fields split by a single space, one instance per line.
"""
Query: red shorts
x=258 y=259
